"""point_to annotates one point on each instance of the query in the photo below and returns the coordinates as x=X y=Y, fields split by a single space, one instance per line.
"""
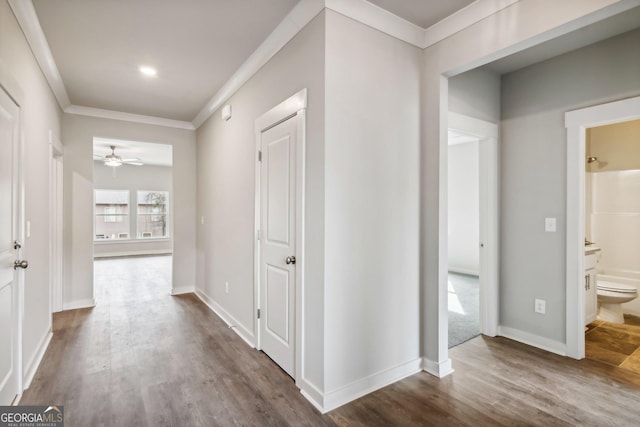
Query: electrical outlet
x=226 y=287
x=540 y=306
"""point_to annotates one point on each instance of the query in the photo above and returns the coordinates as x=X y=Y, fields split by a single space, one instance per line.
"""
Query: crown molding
x=128 y=117
x=28 y=20
x=291 y=25
x=380 y=19
x=359 y=10
x=463 y=18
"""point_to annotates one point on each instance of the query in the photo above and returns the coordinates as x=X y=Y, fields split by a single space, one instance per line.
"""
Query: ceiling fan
x=114 y=160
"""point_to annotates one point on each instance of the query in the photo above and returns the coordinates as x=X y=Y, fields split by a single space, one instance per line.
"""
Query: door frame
x=56 y=178
x=487 y=134
x=577 y=122
x=293 y=107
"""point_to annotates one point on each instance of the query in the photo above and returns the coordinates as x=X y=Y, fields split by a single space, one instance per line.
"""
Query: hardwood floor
x=614 y=343
x=155 y=360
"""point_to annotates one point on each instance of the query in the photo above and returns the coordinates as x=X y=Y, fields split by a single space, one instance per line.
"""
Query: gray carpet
x=464 y=302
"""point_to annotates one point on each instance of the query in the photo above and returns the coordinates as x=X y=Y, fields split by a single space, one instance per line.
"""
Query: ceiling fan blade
x=133 y=163
x=134 y=159
x=96 y=156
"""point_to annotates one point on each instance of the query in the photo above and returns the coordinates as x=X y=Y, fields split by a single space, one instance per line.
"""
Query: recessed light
x=148 y=71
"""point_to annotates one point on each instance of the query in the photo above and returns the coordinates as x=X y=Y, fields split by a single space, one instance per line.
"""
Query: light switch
x=550 y=225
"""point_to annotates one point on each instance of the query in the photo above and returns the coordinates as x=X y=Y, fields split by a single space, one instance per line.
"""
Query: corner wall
x=78 y=134
x=372 y=127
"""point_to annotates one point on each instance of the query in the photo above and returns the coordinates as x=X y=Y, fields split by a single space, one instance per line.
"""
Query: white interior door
x=9 y=285
x=278 y=243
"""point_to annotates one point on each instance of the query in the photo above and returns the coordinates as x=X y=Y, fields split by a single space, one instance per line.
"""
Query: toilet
x=611 y=296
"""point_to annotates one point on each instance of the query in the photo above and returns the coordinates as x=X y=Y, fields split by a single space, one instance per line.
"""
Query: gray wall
x=371 y=203
x=78 y=134
x=533 y=170
x=476 y=94
x=226 y=190
x=20 y=75
x=134 y=178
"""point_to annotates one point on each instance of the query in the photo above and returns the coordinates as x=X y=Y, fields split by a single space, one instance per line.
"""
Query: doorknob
x=291 y=260
x=20 y=264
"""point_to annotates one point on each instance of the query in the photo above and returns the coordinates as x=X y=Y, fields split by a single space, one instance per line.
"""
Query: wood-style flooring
x=144 y=358
x=614 y=343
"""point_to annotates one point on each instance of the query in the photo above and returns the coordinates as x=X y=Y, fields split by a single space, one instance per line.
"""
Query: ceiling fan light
x=112 y=162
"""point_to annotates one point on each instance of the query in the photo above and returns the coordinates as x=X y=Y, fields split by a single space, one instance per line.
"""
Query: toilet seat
x=616 y=287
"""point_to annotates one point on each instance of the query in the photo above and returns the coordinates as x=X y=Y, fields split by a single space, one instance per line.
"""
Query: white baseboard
x=237 y=327
x=437 y=369
x=32 y=366
x=467 y=271
x=533 y=340
x=179 y=290
x=133 y=253
x=84 y=303
x=311 y=393
x=366 y=385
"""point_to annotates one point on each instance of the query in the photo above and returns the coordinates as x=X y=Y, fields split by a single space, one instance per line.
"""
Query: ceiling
x=195 y=45
x=423 y=13
x=148 y=153
x=198 y=45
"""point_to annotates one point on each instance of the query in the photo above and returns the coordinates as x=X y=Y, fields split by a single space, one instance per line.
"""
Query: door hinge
x=258 y=235
x=259 y=156
x=258 y=313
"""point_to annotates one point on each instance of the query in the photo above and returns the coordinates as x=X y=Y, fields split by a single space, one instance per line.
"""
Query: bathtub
x=631 y=279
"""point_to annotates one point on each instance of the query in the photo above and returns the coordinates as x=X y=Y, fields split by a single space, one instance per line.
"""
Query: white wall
x=78 y=134
x=513 y=28
x=533 y=154
x=226 y=193
x=464 y=208
x=134 y=178
x=371 y=204
x=21 y=77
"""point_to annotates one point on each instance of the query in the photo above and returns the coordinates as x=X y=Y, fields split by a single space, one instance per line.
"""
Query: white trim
x=128 y=117
x=56 y=247
x=291 y=25
x=380 y=19
x=534 y=340
x=227 y=318
x=462 y=19
x=36 y=359
x=133 y=253
x=295 y=105
x=83 y=303
x=181 y=290
x=577 y=122
x=26 y=16
x=369 y=384
x=437 y=369
x=149 y=240
x=489 y=182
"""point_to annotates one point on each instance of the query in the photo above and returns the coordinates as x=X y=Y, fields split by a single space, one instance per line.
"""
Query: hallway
x=160 y=360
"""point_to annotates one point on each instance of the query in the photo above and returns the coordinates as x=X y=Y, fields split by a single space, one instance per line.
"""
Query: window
x=152 y=214
x=111 y=214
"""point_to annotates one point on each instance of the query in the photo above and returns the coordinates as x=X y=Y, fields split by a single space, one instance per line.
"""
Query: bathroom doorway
x=472 y=228
x=598 y=209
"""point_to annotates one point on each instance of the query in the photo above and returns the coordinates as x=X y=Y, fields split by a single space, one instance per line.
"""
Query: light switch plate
x=550 y=225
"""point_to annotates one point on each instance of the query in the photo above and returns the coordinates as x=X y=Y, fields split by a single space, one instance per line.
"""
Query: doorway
x=11 y=241
x=478 y=285
x=577 y=122
x=279 y=230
